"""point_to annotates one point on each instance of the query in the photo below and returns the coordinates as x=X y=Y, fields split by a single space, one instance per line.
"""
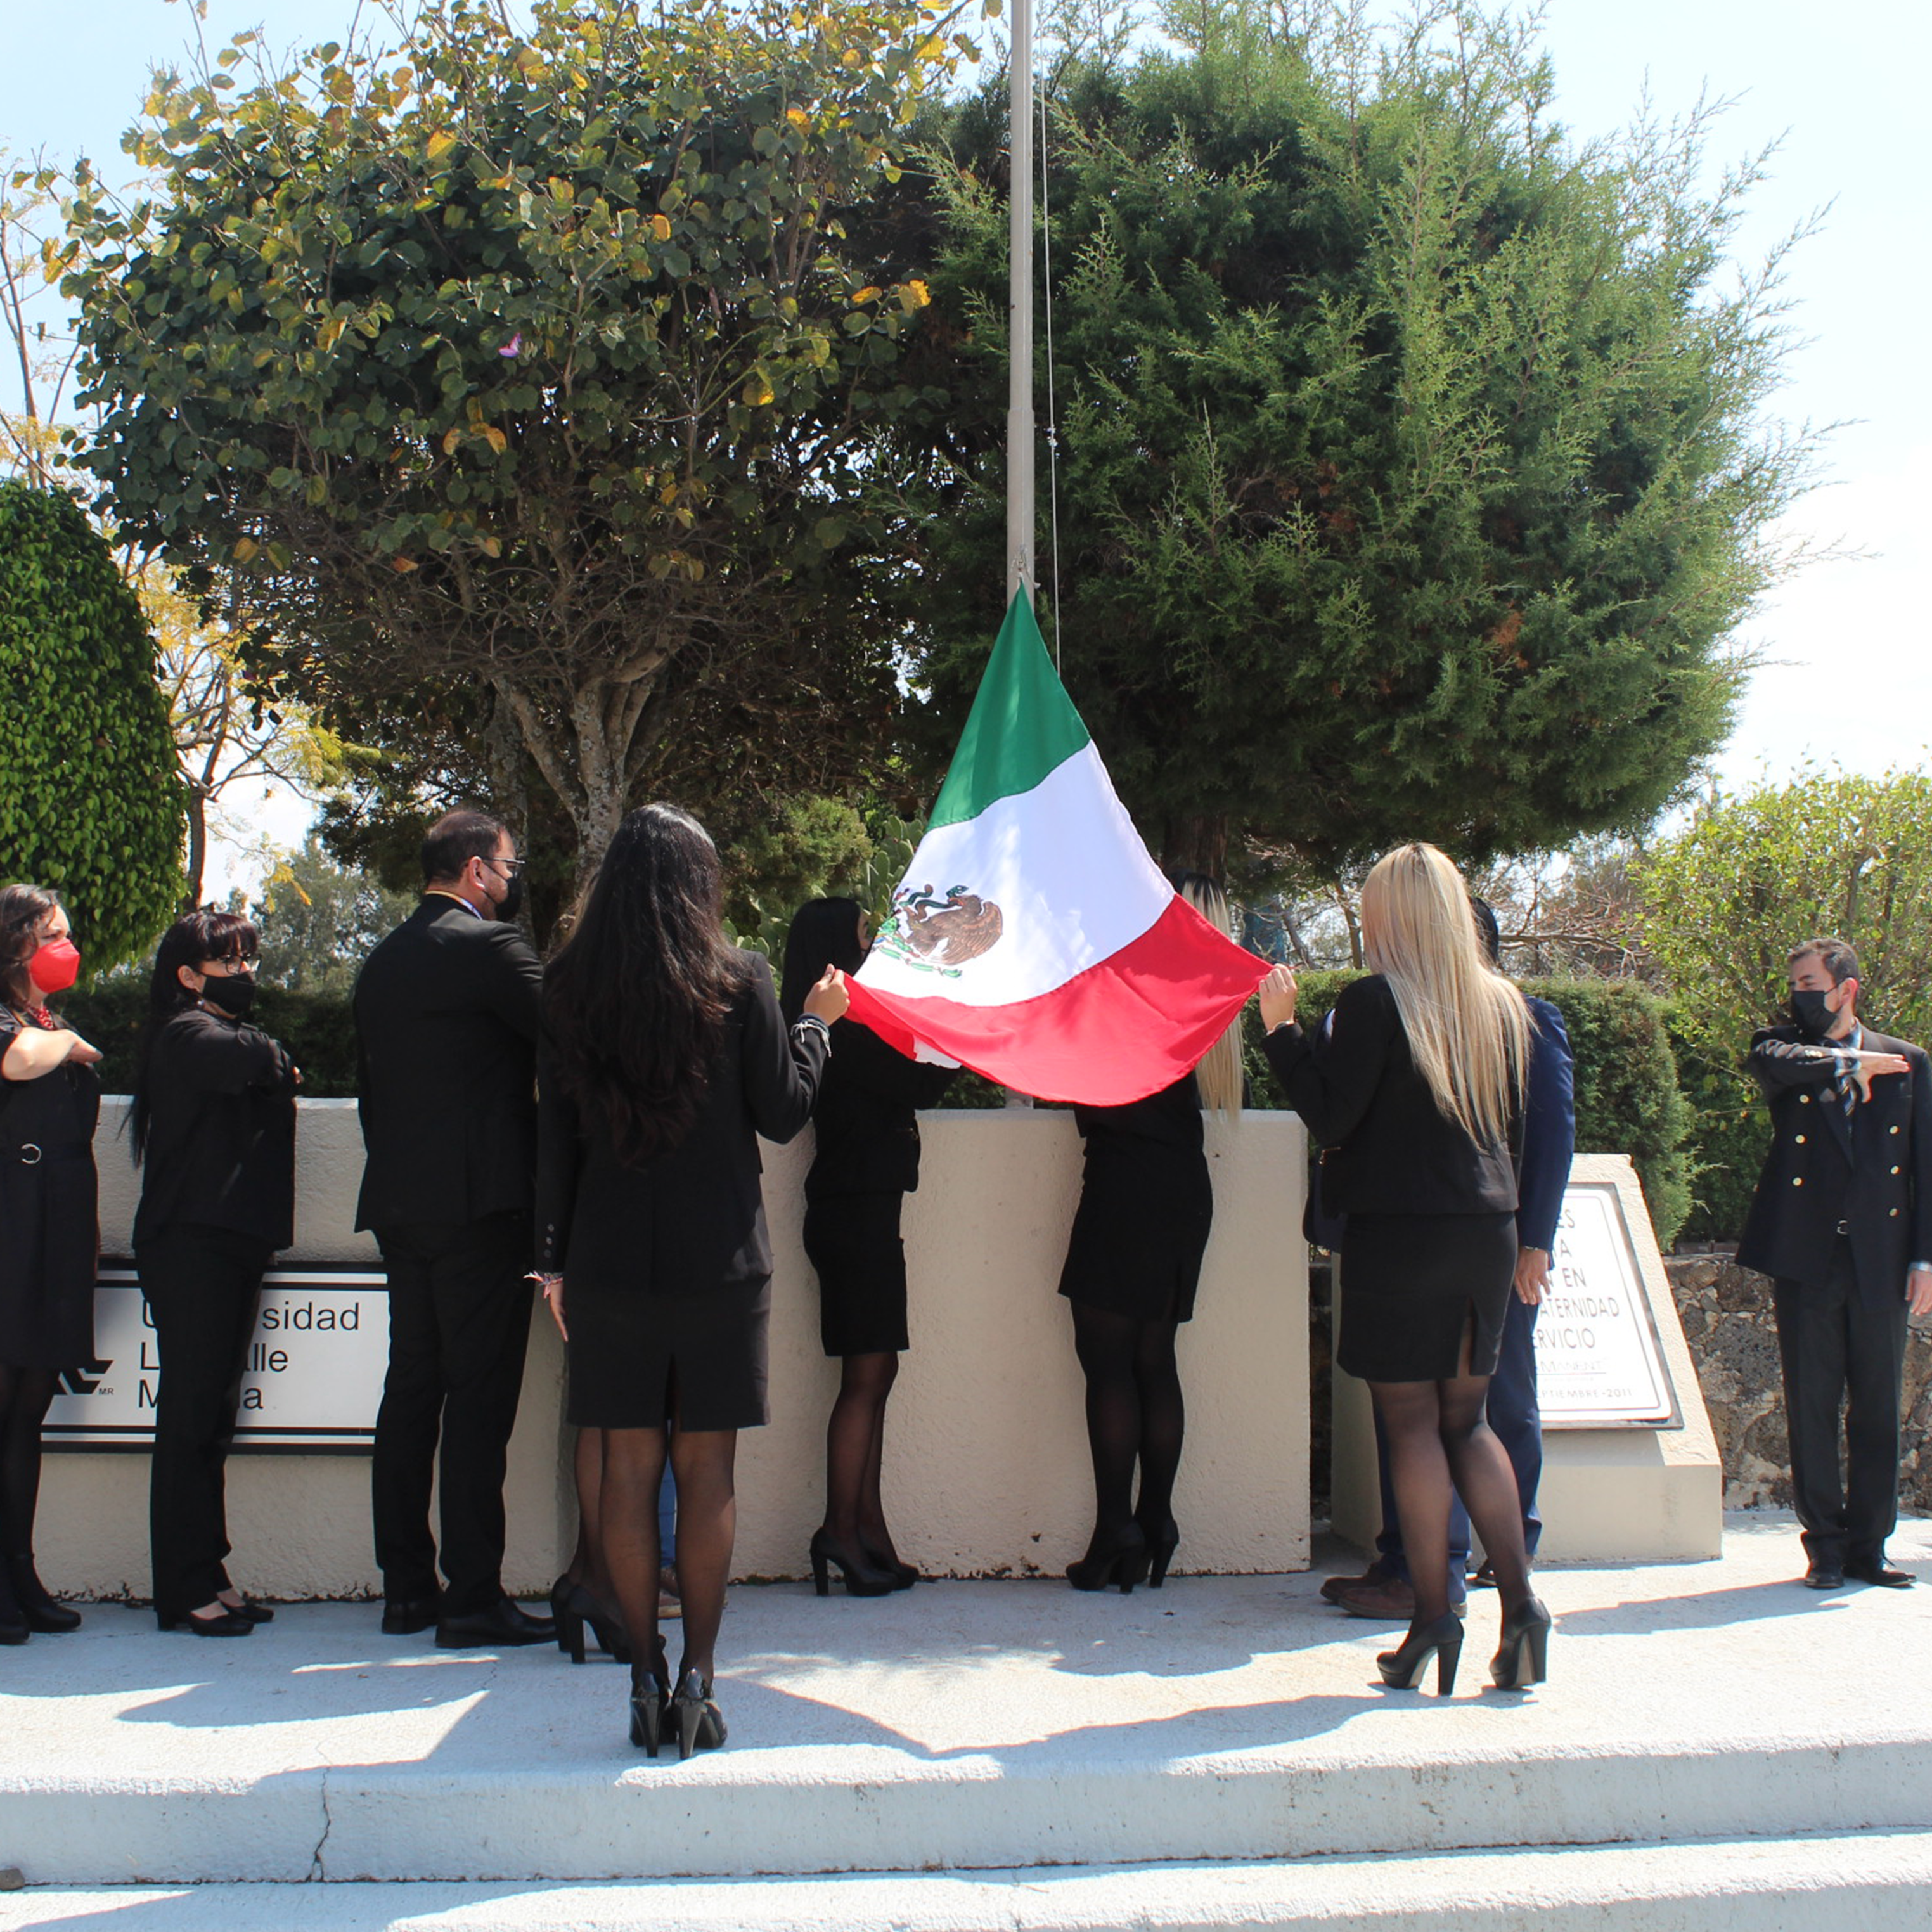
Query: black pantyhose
x=25 y=1393
x=1135 y=1415
x=855 y=1443
x=703 y=1462
x=587 y=1561
x=1439 y=1442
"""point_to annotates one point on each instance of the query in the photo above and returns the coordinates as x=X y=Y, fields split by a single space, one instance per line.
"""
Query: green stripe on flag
x=1022 y=724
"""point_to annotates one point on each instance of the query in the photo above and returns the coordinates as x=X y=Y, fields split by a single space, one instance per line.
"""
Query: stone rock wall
x=1726 y=1314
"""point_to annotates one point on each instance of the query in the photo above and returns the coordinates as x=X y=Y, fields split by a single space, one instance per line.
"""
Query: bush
x=1627 y=1097
x=1730 y=1130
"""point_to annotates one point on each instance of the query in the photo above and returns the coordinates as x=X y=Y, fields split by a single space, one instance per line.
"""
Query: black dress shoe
x=1873 y=1570
x=1822 y=1576
x=403 y=1616
x=229 y=1623
x=503 y=1623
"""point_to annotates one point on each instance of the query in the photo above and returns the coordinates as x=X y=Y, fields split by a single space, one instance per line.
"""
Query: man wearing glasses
x=446 y=1012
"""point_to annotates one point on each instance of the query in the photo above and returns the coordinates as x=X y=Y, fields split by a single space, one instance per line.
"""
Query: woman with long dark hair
x=864 y=1163
x=664 y=1057
x=50 y=1101
x=1133 y=1263
x=215 y=1133
x=1416 y=1093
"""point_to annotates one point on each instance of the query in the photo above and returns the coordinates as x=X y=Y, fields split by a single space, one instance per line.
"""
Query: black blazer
x=693 y=1219
x=221 y=1131
x=446 y=1014
x=865 y=1122
x=1872 y=1173
x=1391 y=1149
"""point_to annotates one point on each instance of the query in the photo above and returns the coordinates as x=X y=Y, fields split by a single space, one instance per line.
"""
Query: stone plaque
x=1598 y=1361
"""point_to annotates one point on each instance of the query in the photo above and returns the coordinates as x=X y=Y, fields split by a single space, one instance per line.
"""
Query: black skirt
x=638 y=1361
x=1410 y=1285
x=47 y=1254
x=853 y=1241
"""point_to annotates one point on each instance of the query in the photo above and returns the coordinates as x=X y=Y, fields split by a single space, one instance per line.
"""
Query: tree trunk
x=1197 y=842
x=196 y=862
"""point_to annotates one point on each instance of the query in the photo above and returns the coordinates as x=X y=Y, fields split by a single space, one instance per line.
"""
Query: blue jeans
x=1513 y=1416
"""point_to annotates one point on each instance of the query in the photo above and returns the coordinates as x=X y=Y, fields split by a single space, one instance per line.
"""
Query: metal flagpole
x=1019 y=297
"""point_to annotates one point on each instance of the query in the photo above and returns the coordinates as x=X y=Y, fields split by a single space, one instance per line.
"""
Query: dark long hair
x=204 y=933
x=824 y=932
x=22 y=909
x=635 y=1002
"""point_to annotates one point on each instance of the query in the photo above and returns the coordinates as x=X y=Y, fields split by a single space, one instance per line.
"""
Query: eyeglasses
x=512 y=867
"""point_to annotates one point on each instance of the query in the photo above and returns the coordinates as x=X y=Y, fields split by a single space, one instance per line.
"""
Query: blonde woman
x=1133 y=1263
x=1417 y=1093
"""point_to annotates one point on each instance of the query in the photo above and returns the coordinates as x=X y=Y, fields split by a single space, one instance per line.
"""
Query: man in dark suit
x=1842 y=1222
x=1384 y=1591
x=446 y=1015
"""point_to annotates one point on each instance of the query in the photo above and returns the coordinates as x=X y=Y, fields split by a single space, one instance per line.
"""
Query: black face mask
x=232 y=996
x=1809 y=1009
x=512 y=903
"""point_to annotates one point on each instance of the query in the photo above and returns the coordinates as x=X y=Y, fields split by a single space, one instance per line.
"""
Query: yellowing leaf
x=913 y=296
x=402 y=565
x=490 y=546
x=495 y=438
x=440 y=143
x=757 y=391
x=660 y=228
x=798 y=117
x=450 y=438
x=330 y=333
x=867 y=293
x=244 y=548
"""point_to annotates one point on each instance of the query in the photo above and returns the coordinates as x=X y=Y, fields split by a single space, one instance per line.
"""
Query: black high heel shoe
x=38 y=1609
x=580 y=1609
x=1522 y=1658
x=700 y=1724
x=648 y=1695
x=862 y=1580
x=1402 y=1668
x=1123 y=1562
x=903 y=1575
x=1162 y=1541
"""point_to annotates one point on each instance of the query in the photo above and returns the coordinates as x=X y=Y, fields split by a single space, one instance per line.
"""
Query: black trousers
x=459 y=1323
x=1838 y=1349
x=201 y=1285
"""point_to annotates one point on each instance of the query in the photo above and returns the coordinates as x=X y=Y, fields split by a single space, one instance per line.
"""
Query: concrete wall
x=986 y=1461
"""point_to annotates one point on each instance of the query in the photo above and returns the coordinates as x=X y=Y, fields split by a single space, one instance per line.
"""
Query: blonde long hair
x=1218 y=1075
x=1468 y=1030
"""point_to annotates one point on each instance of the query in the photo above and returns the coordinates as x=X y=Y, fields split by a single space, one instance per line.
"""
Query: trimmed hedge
x=1627 y=1097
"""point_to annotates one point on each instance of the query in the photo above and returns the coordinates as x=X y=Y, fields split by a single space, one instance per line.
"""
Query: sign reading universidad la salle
x=1598 y=1361
x=311 y=1375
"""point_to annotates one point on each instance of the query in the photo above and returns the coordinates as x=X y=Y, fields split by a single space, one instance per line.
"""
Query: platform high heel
x=700 y=1724
x=1123 y=1562
x=862 y=1579
x=1522 y=1657
x=1402 y=1668
x=649 y=1694
x=903 y=1575
x=1163 y=1539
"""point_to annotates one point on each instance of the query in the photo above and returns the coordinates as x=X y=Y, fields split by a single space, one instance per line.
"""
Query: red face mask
x=55 y=966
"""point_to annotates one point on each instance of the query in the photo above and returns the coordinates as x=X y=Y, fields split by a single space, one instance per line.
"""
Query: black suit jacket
x=1872 y=1173
x=693 y=1218
x=1391 y=1149
x=446 y=1014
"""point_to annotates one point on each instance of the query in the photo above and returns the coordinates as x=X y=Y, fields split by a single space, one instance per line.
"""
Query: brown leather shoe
x=1334 y=1588
x=1380 y=1599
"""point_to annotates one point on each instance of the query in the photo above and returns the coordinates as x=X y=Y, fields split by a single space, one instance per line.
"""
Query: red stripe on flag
x=1122 y=1029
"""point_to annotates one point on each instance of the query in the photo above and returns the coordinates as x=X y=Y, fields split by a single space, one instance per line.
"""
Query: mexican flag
x=1033 y=939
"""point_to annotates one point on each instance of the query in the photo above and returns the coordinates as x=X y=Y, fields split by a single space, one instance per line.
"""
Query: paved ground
x=973 y=1725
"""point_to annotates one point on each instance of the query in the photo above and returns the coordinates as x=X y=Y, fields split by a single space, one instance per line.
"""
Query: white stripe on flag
x=1066 y=867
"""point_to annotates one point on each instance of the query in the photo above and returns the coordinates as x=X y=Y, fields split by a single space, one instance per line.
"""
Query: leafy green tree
x=1751 y=876
x=90 y=801
x=1412 y=477
x=318 y=920
x=535 y=363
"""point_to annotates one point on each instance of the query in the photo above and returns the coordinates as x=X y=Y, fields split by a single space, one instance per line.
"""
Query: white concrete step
x=976 y=1727
x=1873 y=1879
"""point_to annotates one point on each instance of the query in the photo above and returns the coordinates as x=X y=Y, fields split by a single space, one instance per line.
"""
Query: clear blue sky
x=1851 y=681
